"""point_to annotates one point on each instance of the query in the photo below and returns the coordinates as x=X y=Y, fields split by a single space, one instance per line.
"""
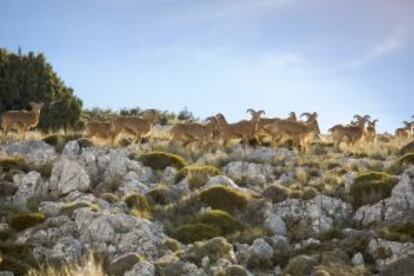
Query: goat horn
x=250 y=110
x=307 y=114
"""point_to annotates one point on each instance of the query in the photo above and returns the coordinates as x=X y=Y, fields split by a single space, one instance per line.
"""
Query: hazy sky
x=337 y=57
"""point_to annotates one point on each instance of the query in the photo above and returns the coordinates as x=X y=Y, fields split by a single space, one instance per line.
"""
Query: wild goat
x=136 y=126
x=352 y=133
x=263 y=122
x=187 y=133
x=21 y=120
x=245 y=130
x=301 y=133
x=405 y=132
x=371 y=132
x=100 y=129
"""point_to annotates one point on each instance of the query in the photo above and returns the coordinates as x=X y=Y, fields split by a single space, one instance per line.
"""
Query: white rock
x=358 y=259
x=68 y=176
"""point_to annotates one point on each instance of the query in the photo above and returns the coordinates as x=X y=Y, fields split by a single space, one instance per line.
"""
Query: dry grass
x=378 y=150
x=90 y=266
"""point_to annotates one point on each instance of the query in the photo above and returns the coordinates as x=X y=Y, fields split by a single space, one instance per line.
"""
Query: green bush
x=309 y=193
x=159 y=196
x=189 y=233
x=139 y=205
x=248 y=235
x=369 y=188
x=277 y=193
x=300 y=266
x=222 y=220
x=22 y=221
x=16 y=258
x=197 y=175
x=159 y=160
x=11 y=165
x=224 y=198
x=341 y=270
x=399 y=233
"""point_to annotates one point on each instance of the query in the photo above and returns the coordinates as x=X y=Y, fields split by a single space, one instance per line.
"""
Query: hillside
x=146 y=211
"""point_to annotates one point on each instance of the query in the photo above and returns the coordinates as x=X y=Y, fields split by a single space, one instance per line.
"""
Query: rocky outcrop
x=399 y=205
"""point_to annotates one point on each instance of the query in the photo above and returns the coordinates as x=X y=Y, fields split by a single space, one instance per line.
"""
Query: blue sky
x=332 y=56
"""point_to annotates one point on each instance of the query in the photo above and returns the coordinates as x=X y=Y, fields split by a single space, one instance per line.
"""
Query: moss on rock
x=369 y=188
x=224 y=198
x=197 y=175
x=189 y=233
x=159 y=160
x=24 y=220
x=221 y=220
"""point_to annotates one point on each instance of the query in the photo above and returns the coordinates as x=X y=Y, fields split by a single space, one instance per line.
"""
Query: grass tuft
x=371 y=187
x=159 y=160
x=24 y=220
x=224 y=198
x=197 y=175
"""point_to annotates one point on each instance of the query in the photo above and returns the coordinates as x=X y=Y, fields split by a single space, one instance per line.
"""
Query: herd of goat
x=299 y=133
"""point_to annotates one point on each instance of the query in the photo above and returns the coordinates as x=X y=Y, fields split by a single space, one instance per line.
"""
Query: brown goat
x=371 y=131
x=352 y=133
x=245 y=130
x=138 y=127
x=301 y=133
x=21 y=120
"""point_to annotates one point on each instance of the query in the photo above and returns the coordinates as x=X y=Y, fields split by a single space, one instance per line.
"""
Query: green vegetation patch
x=189 y=233
x=407 y=159
x=224 y=198
x=399 y=233
x=11 y=165
x=139 y=204
x=197 y=175
x=22 y=221
x=222 y=220
x=301 y=265
x=16 y=258
x=159 y=160
x=69 y=208
x=340 y=270
x=159 y=196
x=371 y=187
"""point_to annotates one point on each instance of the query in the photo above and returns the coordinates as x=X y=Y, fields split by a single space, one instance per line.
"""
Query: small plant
x=301 y=265
x=277 y=193
x=197 y=175
x=90 y=265
x=139 y=205
x=309 y=193
x=159 y=196
x=340 y=270
x=224 y=198
x=69 y=208
x=399 y=233
x=189 y=233
x=248 y=235
x=221 y=220
x=369 y=188
x=22 y=221
x=159 y=160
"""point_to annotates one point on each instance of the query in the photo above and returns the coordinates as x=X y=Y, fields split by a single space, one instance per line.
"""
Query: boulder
x=68 y=176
